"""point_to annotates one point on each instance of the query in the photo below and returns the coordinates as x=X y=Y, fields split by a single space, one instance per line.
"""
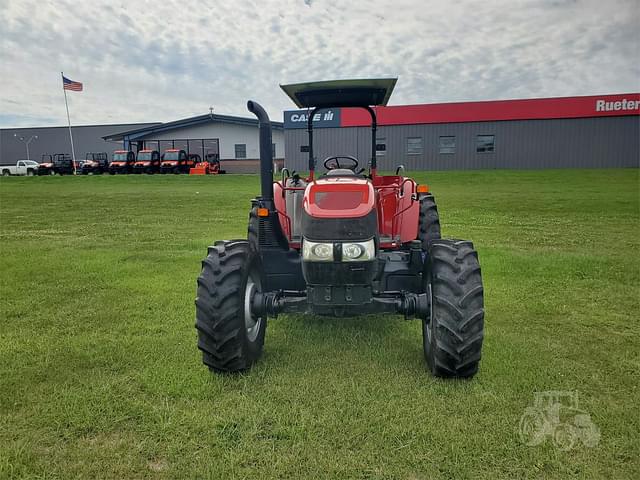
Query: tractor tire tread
x=219 y=320
x=253 y=229
x=457 y=326
x=428 y=220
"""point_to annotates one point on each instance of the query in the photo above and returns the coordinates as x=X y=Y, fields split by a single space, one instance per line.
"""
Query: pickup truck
x=22 y=167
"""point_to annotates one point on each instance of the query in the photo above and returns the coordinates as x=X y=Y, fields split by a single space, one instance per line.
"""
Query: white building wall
x=228 y=135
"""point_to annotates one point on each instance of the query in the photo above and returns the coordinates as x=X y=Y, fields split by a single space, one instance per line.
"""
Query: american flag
x=68 y=84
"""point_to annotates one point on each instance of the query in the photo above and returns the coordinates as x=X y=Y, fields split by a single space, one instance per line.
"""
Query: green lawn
x=100 y=376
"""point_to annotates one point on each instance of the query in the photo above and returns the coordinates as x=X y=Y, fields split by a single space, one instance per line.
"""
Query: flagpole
x=66 y=104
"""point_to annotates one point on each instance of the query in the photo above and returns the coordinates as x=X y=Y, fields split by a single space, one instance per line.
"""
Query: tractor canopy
x=341 y=93
x=364 y=93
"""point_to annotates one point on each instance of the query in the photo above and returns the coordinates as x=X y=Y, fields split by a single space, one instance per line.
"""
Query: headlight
x=359 y=251
x=317 y=252
x=351 y=252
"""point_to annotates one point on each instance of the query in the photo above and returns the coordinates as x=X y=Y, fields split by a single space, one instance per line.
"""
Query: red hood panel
x=339 y=197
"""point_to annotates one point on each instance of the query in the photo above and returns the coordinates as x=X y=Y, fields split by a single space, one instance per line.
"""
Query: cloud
x=144 y=62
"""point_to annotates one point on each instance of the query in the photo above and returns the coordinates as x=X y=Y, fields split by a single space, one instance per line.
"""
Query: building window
x=381 y=141
x=447 y=145
x=241 y=150
x=485 y=144
x=414 y=145
x=273 y=150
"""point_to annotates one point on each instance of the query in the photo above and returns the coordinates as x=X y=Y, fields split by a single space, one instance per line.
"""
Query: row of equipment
x=172 y=160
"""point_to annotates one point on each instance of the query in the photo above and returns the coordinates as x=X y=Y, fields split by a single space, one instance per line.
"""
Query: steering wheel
x=331 y=163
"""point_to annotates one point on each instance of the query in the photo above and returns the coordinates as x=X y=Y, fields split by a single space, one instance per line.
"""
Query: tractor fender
x=281 y=207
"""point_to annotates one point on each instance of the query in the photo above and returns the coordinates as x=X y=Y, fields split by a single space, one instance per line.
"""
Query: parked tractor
x=346 y=243
x=175 y=161
x=210 y=166
x=95 y=164
x=147 y=161
x=122 y=162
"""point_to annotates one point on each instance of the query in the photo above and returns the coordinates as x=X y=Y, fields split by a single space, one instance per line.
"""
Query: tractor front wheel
x=230 y=336
x=454 y=329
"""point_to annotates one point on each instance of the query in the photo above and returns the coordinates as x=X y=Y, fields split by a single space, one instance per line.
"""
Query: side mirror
x=304 y=148
x=381 y=147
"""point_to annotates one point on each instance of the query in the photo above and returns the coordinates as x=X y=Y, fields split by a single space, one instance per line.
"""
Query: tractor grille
x=266 y=234
x=339 y=229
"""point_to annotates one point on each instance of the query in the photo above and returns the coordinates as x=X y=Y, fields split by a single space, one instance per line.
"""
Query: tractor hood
x=339 y=197
x=339 y=209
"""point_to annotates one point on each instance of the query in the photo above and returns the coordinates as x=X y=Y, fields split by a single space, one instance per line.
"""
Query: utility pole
x=26 y=142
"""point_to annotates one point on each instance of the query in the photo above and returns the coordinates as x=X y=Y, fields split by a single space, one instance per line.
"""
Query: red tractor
x=346 y=243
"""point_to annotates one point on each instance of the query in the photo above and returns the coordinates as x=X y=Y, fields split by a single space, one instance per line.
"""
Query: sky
x=145 y=61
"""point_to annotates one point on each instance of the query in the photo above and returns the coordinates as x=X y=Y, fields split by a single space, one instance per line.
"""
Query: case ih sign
x=529 y=109
x=324 y=118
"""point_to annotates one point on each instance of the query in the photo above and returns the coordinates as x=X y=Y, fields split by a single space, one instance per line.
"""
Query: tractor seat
x=340 y=172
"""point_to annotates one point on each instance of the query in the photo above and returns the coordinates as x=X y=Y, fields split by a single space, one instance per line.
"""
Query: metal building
x=50 y=140
x=234 y=139
x=585 y=132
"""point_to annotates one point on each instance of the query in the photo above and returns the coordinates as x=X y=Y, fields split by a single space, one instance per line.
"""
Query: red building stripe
x=529 y=109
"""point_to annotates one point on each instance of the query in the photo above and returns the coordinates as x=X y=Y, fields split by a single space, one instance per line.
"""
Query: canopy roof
x=341 y=93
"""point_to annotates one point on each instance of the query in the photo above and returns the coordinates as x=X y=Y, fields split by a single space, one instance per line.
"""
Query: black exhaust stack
x=281 y=268
x=266 y=154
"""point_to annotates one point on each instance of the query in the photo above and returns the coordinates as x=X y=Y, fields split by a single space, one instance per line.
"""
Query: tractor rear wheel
x=429 y=221
x=230 y=337
x=454 y=330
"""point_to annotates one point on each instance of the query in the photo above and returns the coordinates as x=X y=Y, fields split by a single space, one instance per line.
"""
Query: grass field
x=100 y=376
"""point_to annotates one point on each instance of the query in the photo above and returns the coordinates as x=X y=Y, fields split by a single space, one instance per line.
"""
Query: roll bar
x=374 y=128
